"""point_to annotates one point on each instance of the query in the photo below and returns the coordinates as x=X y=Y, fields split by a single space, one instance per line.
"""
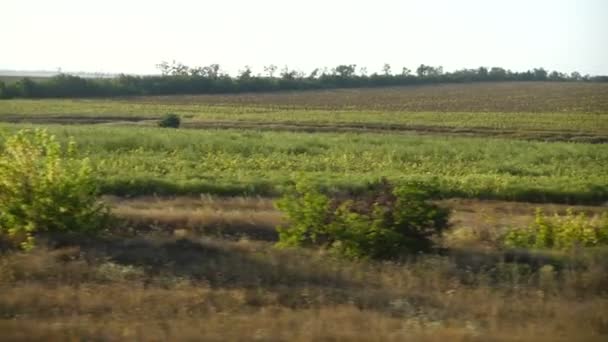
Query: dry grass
x=154 y=286
x=185 y=289
x=476 y=223
x=252 y=217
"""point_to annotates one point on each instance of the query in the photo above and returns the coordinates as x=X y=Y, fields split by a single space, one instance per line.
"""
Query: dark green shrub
x=170 y=120
x=45 y=189
x=383 y=222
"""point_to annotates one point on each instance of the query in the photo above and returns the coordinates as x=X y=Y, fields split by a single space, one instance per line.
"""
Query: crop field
x=191 y=255
x=546 y=111
x=139 y=160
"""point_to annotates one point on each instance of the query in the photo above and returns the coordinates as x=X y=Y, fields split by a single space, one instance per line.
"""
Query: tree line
x=177 y=78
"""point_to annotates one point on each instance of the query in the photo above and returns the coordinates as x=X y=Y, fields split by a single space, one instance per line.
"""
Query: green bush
x=170 y=120
x=560 y=232
x=383 y=222
x=45 y=189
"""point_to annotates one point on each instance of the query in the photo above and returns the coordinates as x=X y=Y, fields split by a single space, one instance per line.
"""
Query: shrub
x=560 y=232
x=44 y=189
x=170 y=120
x=382 y=222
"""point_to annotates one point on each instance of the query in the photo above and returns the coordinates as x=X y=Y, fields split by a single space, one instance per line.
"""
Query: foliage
x=177 y=78
x=170 y=120
x=560 y=232
x=43 y=189
x=382 y=222
x=308 y=210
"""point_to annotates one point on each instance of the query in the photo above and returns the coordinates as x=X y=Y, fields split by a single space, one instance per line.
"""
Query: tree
x=314 y=74
x=270 y=70
x=164 y=67
x=429 y=71
x=540 y=74
x=386 y=69
x=576 y=76
x=212 y=71
x=287 y=74
x=557 y=76
x=245 y=74
x=345 y=71
x=405 y=71
x=497 y=73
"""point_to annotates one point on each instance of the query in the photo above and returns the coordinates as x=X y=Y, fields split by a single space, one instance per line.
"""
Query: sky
x=132 y=36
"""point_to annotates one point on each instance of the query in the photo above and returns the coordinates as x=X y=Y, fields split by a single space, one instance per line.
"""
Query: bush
x=383 y=222
x=560 y=232
x=45 y=190
x=170 y=120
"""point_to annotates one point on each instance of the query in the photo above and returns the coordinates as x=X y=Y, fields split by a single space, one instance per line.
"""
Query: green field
x=538 y=111
x=255 y=143
x=143 y=160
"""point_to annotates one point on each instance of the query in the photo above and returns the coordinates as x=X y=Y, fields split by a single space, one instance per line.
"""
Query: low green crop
x=560 y=232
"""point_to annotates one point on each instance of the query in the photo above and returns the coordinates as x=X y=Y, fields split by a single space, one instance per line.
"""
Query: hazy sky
x=132 y=36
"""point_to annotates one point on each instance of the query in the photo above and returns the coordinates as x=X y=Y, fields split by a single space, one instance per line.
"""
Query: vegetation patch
x=45 y=188
x=170 y=121
x=382 y=222
x=561 y=232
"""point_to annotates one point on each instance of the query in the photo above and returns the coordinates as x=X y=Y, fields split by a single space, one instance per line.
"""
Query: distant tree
x=421 y=70
x=557 y=76
x=482 y=72
x=179 y=69
x=245 y=73
x=405 y=71
x=270 y=70
x=164 y=67
x=314 y=74
x=497 y=73
x=173 y=69
x=540 y=74
x=345 y=71
x=429 y=71
x=386 y=69
x=287 y=74
x=197 y=71
x=576 y=76
x=363 y=71
x=212 y=71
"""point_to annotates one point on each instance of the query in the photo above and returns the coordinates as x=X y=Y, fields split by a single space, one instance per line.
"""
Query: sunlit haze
x=133 y=36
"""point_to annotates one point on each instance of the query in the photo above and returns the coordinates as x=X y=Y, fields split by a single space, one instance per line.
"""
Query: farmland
x=140 y=160
x=191 y=252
